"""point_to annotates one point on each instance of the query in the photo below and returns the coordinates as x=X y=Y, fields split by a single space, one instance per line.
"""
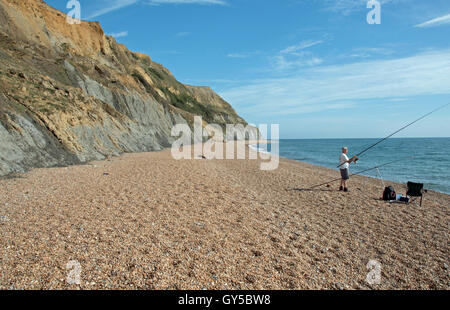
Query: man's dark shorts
x=345 y=174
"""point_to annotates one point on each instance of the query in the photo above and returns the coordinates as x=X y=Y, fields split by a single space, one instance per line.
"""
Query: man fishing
x=345 y=161
x=344 y=164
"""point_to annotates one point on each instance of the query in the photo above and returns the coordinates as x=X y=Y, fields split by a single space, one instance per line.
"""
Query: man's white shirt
x=344 y=161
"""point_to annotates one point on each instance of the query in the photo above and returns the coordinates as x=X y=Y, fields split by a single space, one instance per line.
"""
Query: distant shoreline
x=441 y=187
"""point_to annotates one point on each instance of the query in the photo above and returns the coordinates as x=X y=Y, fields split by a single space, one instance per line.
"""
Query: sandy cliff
x=71 y=94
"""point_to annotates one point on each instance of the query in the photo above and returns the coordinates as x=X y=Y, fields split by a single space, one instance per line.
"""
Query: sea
x=421 y=160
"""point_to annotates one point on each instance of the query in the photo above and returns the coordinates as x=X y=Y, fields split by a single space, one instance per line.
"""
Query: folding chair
x=415 y=190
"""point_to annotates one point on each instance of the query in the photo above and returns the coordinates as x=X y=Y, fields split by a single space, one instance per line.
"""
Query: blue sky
x=316 y=67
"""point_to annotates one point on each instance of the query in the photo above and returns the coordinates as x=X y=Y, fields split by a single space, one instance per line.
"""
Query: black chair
x=415 y=190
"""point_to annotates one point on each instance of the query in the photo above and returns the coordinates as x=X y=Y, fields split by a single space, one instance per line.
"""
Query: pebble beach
x=148 y=221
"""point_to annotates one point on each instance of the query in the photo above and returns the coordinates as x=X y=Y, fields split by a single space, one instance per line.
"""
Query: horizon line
x=363 y=138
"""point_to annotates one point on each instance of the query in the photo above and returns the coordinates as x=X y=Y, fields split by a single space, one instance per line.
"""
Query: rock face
x=70 y=94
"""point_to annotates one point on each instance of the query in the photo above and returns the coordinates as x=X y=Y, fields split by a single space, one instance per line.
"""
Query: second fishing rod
x=361 y=172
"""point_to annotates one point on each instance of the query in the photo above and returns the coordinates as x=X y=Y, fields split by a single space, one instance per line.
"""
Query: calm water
x=430 y=165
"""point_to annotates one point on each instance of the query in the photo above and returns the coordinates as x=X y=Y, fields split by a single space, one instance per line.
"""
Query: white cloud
x=112 y=6
x=238 y=55
x=183 y=34
x=301 y=46
x=341 y=86
x=370 y=52
x=349 y=6
x=443 y=20
x=200 y=2
x=296 y=56
x=244 y=54
x=115 y=5
x=283 y=63
x=119 y=34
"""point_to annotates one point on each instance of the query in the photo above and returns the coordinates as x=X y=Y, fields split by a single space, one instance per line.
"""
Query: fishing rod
x=384 y=139
x=360 y=172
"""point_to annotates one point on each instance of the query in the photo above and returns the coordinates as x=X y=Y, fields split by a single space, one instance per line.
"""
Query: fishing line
x=384 y=139
x=360 y=172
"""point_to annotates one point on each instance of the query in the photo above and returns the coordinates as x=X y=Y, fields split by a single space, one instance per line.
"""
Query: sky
x=315 y=67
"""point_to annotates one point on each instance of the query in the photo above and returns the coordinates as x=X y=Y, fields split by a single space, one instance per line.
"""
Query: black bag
x=389 y=193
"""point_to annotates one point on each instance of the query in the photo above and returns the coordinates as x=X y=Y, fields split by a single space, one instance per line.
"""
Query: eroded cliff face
x=71 y=94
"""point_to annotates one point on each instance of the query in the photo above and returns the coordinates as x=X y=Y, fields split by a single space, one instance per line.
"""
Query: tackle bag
x=389 y=194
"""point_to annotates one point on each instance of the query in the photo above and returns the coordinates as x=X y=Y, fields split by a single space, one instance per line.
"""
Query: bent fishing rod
x=384 y=139
x=360 y=172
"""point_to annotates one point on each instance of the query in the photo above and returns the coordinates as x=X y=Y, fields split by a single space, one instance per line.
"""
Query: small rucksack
x=389 y=193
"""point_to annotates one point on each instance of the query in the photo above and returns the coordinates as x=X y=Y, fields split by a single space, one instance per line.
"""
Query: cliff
x=71 y=94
